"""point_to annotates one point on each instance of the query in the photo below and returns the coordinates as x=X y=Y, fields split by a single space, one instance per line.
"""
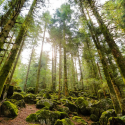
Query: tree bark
x=10 y=23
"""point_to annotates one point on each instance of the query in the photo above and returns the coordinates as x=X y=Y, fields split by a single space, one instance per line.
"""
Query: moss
x=17 y=96
x=30 y=98
x=72 y=107
x=94 y=118
x=30 y=90
x=47 y=96
x=106 y=115
x=9 y=109
x=79 y=120
x=44 y=103
x=31 y=118
x=63 y=115
x=81 y=104
x=116 y=120
x=65 y=121
x=17 y=89
x=45 y=116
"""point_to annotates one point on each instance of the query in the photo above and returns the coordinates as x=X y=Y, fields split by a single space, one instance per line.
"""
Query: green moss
x=63 y=115
x=31 y=118
x=47 y=96
x=65 y=121
x=9 y=109
x=94 y=118
x=30 y=90
x=17 y=96
x=79 y=120
x=106 y=115
x=82 y=104
x=30 y=98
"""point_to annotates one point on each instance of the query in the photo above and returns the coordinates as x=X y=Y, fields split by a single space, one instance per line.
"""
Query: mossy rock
x=63 y=109
x=100 y=106
x=72 y=107
x=30 y=90
x=94 y=117
x=44 y=117
x=106 y=115
x=17 y=89
x=79 y=120
x=17 y=96
x=63 y=115
x=19 y=103
x=47 y=96
x=9 y=109
x=65 y=121
x=116 y=120
x=81 y=103
x=44 y=103
x=30 y=98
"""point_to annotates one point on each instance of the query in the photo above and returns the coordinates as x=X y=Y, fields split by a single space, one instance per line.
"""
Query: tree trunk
x=9 y=78
x=7 y=15
x=101 y=78
x=11 y=22
x=6 y=49
x=40 y=59
x=60 y=75
x=73 y=73
x=28 y=69
x=7 y=66
x=81 y=79
x=110 y=41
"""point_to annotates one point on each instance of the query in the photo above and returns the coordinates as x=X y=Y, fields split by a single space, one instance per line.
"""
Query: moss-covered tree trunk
x=7 y=66
x=8 y=46
x=9 y=78
x=7 y=15
x=120 y=60
x=11 y=22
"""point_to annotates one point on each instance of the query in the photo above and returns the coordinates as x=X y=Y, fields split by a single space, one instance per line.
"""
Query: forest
x=62 y=62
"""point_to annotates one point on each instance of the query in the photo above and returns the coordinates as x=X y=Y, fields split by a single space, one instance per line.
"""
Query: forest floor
x=24 y=112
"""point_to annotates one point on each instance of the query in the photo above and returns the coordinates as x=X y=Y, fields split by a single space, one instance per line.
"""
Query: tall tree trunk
x=11 y=22
x=28 y=68
x=60 y=75
x=7 y=66
x=73 y=73
x=40 y=59
x=110 y=41
x=81 y=79
x=9 y=78
x=65 y=65
x=54 y=68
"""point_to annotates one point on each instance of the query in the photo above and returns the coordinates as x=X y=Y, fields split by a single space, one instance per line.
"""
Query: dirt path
x=20 y=119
